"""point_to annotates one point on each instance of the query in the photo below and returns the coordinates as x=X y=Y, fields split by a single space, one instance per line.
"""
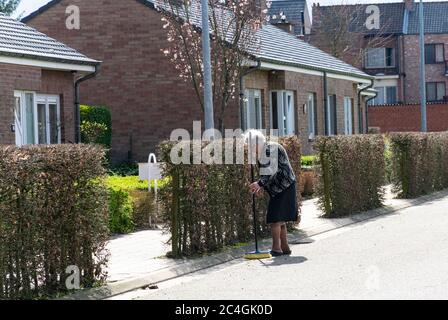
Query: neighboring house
x=37 y=86
x=290 y=15
x=395 y=61
x=296 y=88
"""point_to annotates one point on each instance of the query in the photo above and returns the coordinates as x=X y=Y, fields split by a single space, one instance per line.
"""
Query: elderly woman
x=279 y=181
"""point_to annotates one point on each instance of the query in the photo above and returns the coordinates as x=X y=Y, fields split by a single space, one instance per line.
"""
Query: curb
x=117 y=288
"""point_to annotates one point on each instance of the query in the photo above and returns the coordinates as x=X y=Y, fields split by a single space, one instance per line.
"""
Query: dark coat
x=276 y=171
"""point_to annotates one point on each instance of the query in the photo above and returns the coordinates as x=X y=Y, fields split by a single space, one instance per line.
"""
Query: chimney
x=409 y=5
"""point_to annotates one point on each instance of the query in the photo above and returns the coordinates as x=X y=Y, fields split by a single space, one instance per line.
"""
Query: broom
x=257 y=254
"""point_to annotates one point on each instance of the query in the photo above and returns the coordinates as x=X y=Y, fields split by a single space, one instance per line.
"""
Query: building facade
x=394 y=58
x=37 y=86
x=148 y=100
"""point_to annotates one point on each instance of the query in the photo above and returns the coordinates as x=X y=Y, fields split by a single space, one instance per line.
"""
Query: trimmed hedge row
x=53 y=205
x=208 y=207
x=350 y=173
x=419 y=163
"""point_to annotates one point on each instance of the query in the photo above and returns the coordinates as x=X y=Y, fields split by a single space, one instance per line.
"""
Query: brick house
x=38 y=77
x=395 y=61
x=294 y=87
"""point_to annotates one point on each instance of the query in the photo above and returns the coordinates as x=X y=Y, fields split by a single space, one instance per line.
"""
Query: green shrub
x=419 y=163
x=209 y=207
x=53 y=205
x=308 y=161
x=350 y=173
x=132 y=205
x=120 y=211
x=96 y=125
x=124 y=169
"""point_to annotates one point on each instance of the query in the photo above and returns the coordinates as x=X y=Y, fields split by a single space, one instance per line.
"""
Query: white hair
x=254 y=137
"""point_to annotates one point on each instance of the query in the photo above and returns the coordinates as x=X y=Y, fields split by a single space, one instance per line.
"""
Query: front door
x=282 y=112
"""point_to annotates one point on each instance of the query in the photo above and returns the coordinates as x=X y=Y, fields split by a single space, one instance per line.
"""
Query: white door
x=252 y=109
x=18 y=128
x=48 y=119
x=282 y=112
x=24 y=122
x=348 y=116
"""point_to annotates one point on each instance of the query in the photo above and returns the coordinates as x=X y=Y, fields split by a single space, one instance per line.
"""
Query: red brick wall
x=136 y=81
x=434 y=72
x=407 y=117
x=22 y=78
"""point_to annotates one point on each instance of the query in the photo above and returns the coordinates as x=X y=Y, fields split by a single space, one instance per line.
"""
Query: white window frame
x=47 y=100
x=311 y=108
x=384 y=58
x=331 y=130
x=249 y=103
x=41 y=99
x=348 y=117
x=286 y=122
x=385 y=96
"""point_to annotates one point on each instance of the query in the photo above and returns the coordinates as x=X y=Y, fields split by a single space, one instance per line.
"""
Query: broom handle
x=254 y=209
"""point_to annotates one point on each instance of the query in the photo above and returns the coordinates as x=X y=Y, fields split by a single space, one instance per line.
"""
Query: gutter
x=77 y=103
x=360 y=124
x=249 y=71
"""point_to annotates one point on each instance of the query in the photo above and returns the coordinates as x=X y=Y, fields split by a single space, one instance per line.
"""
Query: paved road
x=400 y=256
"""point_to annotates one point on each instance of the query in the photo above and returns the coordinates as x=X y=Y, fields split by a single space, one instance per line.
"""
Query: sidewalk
x=138 y=259
x=140 y=253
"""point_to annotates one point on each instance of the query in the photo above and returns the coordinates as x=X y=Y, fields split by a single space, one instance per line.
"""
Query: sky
x=28 y=6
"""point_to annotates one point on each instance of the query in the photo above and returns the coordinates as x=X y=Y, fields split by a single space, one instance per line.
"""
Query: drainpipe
x=77 y=103
x=325 y=83
x=361 y=129
x=249 y=71
x=367 y=111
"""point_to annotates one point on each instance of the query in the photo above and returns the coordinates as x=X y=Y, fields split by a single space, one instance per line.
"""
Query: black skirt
x=283 y=207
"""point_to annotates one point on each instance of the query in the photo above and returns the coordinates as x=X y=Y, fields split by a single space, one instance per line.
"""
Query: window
x=330 y=116
x=435 y=91
x=348 y=115
x=434 y=53
x=37 y=119
x=386 y=95
x=252 y=110
x=379 y=58
x=312 y=115
x=282 y=112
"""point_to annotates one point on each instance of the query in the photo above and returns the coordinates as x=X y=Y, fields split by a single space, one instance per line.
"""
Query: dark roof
x=391 y=16
x=281 y=47
x=397 y=20
x=277 y=46
x=19 y=40
x=436 y=18
x=291 y=10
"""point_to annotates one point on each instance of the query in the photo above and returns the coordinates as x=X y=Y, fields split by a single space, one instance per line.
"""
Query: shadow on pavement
x=283 y=260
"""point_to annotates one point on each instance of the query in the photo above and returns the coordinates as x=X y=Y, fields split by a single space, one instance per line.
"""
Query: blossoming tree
x=233 y=31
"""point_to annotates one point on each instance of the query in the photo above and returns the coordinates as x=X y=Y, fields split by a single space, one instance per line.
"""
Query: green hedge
x=350 y=173
x=53 y=205
x=419 y=163
x=96 y=125
x=208 y=207
x=131 y=205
